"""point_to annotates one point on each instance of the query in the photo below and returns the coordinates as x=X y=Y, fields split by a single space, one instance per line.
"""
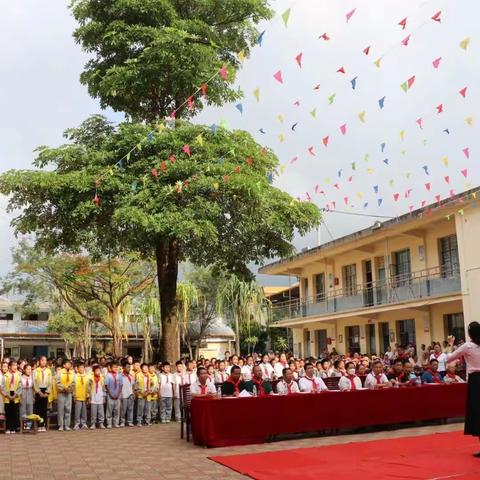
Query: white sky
x=40 y=96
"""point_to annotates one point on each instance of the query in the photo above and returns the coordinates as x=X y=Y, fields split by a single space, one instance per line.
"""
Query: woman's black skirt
x=472 y=417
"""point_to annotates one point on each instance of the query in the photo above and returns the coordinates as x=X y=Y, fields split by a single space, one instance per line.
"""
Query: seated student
x=407 y=377
x=309 y=383
x=325 y=369
x=267 y=369
x=221 y=375
x=202 y=387
x=280 y=365
x=351 y=381
x=396 y=371
x=287 y=385
x=431 y=375
x=451 y=375
x=233 y=385
x=376 y=378
x=258 y=385
x=339 y=368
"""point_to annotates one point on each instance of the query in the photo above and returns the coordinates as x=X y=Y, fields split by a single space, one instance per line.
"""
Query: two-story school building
x=413 y=279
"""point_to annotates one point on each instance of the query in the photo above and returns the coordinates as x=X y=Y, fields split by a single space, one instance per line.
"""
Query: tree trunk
x=166 y=254
x=116 y=333
x=237 y=335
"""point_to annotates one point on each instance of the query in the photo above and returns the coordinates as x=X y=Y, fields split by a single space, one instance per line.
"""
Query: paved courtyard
x=147 y=453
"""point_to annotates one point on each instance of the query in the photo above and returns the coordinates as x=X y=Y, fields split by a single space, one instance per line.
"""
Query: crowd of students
x=127 y=393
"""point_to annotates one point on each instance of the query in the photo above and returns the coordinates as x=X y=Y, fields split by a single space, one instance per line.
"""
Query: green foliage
x=148 y=56
x=217 y=217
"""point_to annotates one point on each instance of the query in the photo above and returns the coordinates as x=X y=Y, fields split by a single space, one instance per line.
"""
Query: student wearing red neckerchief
x=179 y=381
x=127 y=400
x=451 y=375
x=221 y=375
x=287 y=386
x=202 y=387
x=309 y=383
x=431 y=375
x=350 y=381
x=376 y=378
x=258 y=386
x=96 y=389
x=440 y=357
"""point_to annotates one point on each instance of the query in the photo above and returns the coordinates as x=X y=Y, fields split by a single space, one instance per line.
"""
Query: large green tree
x=213 y=205
x=150 y=56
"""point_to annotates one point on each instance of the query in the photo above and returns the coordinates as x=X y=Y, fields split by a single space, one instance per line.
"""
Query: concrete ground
x=146 y=453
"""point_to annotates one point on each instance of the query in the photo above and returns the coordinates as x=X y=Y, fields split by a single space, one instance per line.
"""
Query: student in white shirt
x=267 y=369
x=179 y=381
x=202 y=387
x=127 y=398
x=280 y=365
x=309 y=383
x=190 y=375
x=440 y=357
x=247 y=369
x=166 y=389
x=221 y=374
x=376 y=378
x=350 y=381
x=287 y=386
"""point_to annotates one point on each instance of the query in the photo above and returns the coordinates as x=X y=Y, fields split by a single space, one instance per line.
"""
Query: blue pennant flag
x=379 y=201
x=151 y=136
x=381 y=102
x=213 y=128
x=260 y=38
x=239 y=107
x=382 y=147
x=353 y=81
x=385 y=161
x=270 y=177
x=425 y=167
x=375 y=188
x=365 y=205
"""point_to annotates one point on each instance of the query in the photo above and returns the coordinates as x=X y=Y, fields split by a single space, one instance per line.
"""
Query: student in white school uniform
x=190 y=375
x=267 y=369
x=127 y=398
x=179 y=381
x=441 y=358
x=202 y=387
x=287 y=386
x=247 y=369
x=376 y=378
x=350 y=381
x=221 y=374
x=96 y=388
x=280 y=365
x=210 y=374
x=310 y=383
x=166 y=388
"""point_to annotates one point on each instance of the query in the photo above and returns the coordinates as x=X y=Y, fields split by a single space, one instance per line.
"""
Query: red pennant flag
x=173 y=158
x=343 y=128
x=440 y=108
x=325 y=37
x=249 y=161
x=463 y=92
x=447 y=179
x=437 y=198
x=436 y=62
x=190 y=103
x=436 y=17
x=350 y=14
x=297 y=103
x=316 y=87
x=334 y=204
x=163 y=167
x=278 y=76
x=337 y=186
x=186 y=150
x=403 y=23
x=419 y=123
x=396 y=196
x=310 y=151
x=204 y=89
x=96 y=200
x=410 y=207
x=464 y=172
x=350 y=178
x=325 y=140
x=293 y=160
x=406 y=40
x=451 y=192
x=298 y=58
x=424 y=202
x=427 y=186
x=466 y=152
x=366 y=50
x=345 y=199
x=341 y=70
x=224 y=72
x=410 y=81
x=154 y=172
x=237 y=169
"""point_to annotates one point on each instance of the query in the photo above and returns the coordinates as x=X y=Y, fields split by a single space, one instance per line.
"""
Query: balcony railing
x=432 y=282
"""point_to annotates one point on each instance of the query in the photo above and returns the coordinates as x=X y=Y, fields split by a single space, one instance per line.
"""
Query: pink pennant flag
x=410 y=81
x=204 y=89
x=419 y=122
x=396 y=196
x=403 y=23
x=439 y=108
x=350 y=178
x=297 y=103
x=310 y=151
x=366 y=50
x=337 y=186
x=463 y=92
x=406 y=40
x=427 y=186
x=298 y=58
x=186 y=150
x=437 y=198
x=334 y=204
x=325 y=140
x=466 y=152
x=293 y=160
x=345 y=199
x=424 y=202
x=325 y=37
x=224 y=72
x=436 y=62
x=278 y=76
x=451 y=192
x=309 y=198
x=350 y=14
x=410 y=207
x=316 y=87
x=341 y=70
x=436 y=17
x=464 y=172
x=447 y=179
x=343 y=128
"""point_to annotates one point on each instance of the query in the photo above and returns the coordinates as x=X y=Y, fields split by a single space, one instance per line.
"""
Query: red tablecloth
x=237 y=421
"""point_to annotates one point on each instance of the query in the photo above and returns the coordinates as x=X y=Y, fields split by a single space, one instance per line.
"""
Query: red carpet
x=429 y=457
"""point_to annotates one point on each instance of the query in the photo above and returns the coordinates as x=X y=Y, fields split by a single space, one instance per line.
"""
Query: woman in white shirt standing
x=470 y=351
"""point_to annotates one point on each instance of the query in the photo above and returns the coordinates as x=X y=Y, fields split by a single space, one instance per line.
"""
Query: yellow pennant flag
x=465 y=43
x=445 y=161
x=377 y=62
x=361 y=116
x=403 y=152
x=469 y=121
x=161 y=127
x=281 y=137
x=282 y=168
x=200 y=140
x=241 y=56
x=256 y=92
x=370 y=170
x=313 y=113
x=286 y=16
x=366 y=158
x=402 y=135
x=360 y=195
x=280 y=118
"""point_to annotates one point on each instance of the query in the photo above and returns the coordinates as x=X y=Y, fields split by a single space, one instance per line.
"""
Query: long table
x=220 y=422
